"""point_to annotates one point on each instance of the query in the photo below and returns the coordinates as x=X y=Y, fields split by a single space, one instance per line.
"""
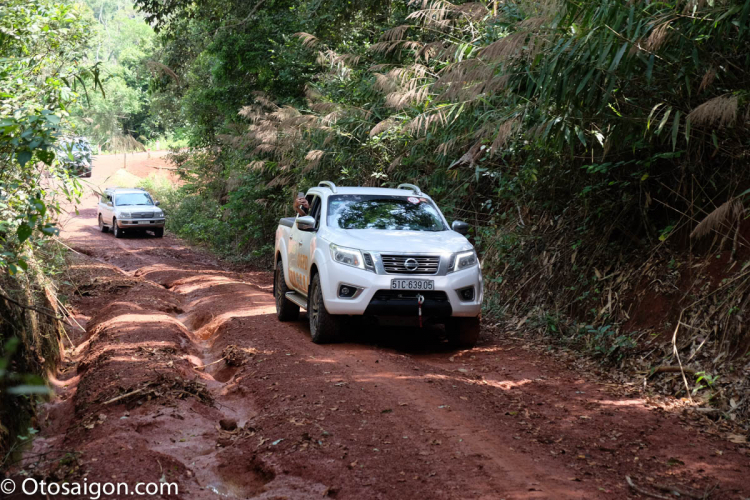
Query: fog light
x=347 y=291
x=466 y=294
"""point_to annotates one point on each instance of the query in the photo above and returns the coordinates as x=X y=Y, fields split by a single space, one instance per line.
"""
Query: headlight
x=465 y=260
x=347 y=256
x=125 y=215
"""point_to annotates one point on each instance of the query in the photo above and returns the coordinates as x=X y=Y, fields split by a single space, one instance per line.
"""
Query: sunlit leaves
x=40 y=60
x=23 y=232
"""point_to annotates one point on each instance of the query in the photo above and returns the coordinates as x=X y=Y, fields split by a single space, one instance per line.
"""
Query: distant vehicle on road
x=74 y=153
x=376 y=252
x=124 y=209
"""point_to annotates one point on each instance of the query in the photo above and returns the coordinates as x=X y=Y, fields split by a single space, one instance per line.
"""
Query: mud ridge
x=185 y=375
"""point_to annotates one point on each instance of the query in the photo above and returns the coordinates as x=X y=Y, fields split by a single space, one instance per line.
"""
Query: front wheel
x=463 y=333
x=286 y=310
x=102 y=227
x=159 y=232
x=324 y=327
x=116 y=230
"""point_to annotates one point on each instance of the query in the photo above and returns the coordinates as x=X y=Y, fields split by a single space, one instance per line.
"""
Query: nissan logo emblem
x=411 y=264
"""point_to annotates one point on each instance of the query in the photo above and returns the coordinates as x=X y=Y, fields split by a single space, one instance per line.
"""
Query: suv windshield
x=413 y=213
x=133 y=199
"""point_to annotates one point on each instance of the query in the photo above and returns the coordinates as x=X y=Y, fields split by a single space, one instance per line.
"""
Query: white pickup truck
x=376 y=252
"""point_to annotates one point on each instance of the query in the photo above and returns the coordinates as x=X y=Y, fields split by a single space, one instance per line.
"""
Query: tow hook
x=420 y=301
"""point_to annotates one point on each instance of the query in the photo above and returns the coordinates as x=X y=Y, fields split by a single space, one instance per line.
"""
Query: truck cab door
x=300 y=252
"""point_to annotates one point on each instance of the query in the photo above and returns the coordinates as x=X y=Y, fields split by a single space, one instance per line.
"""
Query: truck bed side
x=283 y=231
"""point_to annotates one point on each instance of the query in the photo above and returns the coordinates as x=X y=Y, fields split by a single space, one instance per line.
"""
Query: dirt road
x=185 y=375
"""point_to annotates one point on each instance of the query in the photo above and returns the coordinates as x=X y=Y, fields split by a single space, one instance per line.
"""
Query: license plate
x=397 y=284
x=144 y=222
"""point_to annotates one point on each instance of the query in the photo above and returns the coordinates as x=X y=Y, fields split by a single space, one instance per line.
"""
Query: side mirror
x=306 y=223
x=109 y=203
x=460 y=227
x=157 y=203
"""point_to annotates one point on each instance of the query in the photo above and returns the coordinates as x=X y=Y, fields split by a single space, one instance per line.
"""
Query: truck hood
x=374 y=240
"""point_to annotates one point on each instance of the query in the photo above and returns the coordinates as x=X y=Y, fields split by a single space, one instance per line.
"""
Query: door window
x=315 y=211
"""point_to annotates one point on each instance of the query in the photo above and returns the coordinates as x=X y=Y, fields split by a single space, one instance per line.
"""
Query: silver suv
x=74 y=154
x=124 y=209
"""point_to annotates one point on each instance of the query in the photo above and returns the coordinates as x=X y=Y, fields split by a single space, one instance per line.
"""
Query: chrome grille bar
x=410 y=264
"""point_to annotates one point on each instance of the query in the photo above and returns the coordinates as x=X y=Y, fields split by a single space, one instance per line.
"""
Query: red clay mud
x=176 y=343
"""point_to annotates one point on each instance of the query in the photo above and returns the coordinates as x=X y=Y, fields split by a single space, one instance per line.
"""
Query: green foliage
x=42 y=77
x=704 y=380
x=40 y=80
x=199 y=212
x=223 y=51
x=548 y=323
x=123 y=46
x=605 y=341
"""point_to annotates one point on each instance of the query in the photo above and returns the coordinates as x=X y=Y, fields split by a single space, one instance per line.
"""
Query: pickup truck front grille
x=410 y=264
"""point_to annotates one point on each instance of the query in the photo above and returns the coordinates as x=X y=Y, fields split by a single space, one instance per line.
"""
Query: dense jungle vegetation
x=598 y=148
x=66 y=69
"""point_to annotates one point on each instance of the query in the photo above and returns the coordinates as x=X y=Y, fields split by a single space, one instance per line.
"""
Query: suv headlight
x=464 y=260
x=347 y=256
x=125 y=215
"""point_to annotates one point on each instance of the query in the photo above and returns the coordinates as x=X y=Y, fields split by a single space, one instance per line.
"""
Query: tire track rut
x=231 y=403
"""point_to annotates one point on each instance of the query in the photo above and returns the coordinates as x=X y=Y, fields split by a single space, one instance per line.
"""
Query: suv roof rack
x=328 y=184
x=410 y=186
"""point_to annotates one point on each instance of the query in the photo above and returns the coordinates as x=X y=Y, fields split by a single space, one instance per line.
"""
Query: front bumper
x=140 y=223
x=368 y=300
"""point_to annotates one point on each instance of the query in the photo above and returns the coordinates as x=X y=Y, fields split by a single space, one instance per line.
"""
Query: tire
x=324 y=327
x=286 y=310
x=116 y=230
x=102 y=227
x=159 y=232
x=463 y=333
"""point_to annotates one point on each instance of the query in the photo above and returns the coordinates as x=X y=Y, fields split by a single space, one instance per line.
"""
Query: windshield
x=133 y=199
x=413 y=213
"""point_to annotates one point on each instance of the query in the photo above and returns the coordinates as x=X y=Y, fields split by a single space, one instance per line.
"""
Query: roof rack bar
x=328 y=184
x=410 y=186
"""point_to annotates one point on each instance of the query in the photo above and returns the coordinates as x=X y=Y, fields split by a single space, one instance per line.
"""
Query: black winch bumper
x=404 y=303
